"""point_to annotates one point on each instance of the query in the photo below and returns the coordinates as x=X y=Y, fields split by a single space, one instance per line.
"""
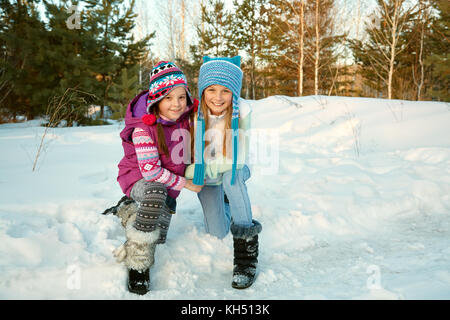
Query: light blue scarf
x=226 y=72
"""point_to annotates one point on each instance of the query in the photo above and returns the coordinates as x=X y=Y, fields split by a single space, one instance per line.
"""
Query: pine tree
x=215 y=32
x=283 y=54
x=123 y=90
x=66 y=56
x=41 y=61
x=412 y=78
x=439 y=59
x=112 y=22
x=20 y=39
x=248 y=29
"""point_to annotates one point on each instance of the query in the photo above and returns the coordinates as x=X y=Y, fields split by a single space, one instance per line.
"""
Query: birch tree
x=304 y=45
x=174 y=19
x=325 y=45
x=383 y=47
x=317 y=47
x=423 y=25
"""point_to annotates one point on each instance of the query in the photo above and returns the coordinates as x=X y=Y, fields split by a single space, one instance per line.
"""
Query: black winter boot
x=245 y=243
x=139 y=281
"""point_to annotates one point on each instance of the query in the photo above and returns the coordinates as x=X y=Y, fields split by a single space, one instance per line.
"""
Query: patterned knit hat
x=164 y=77
x=226 y=72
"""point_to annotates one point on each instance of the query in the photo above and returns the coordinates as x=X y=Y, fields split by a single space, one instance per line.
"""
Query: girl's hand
x=193 y=187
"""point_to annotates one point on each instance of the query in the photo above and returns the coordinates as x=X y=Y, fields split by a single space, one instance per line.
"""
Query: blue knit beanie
x=226 y=72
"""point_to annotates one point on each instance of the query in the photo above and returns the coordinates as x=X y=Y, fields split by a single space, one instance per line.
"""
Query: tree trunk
x=301 y=49
x=316 y=60
x=252 y=76
x=424 y=17
x=105 y=39
x=182 y=49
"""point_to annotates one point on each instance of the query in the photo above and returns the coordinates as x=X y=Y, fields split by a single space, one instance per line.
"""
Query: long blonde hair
x=229 y=112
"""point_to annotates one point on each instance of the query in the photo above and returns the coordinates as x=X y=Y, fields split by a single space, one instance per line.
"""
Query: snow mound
x=355 y=204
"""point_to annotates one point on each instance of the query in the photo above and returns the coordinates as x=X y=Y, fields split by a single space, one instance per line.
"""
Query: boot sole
x=139 y=291
x=235 y=286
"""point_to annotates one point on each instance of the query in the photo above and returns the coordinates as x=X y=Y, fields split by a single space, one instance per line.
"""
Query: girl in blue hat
x=221 y=146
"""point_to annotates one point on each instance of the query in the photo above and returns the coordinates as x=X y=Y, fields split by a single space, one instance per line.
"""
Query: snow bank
x=356 y=206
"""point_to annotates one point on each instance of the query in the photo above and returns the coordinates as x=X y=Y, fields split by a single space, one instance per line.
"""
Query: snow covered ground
x=354 y=203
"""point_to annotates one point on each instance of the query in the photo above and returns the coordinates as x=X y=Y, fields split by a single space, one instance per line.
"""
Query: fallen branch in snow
x=59 y=109
x=289 y=101
x=321 y=100
x=356 y=130
x=392 y=107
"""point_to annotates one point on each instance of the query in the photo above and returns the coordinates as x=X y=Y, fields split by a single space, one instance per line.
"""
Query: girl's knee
x=154 y=195
x=153 y=212
x=242 y=175
x=155 y=190
x=218 y=232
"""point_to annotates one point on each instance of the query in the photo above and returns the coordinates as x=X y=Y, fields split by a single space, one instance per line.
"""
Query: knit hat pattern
x=164 y=77
x=218 y=71
x=222 y=71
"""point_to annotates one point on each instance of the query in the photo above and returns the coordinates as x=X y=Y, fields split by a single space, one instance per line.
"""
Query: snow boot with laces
x=245 y=243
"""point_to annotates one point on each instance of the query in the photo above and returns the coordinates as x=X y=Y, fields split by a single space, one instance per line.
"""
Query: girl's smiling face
x=174 y=104
x=218 y=98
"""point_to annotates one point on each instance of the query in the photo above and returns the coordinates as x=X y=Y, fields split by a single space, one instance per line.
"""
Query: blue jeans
x=217 y=213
